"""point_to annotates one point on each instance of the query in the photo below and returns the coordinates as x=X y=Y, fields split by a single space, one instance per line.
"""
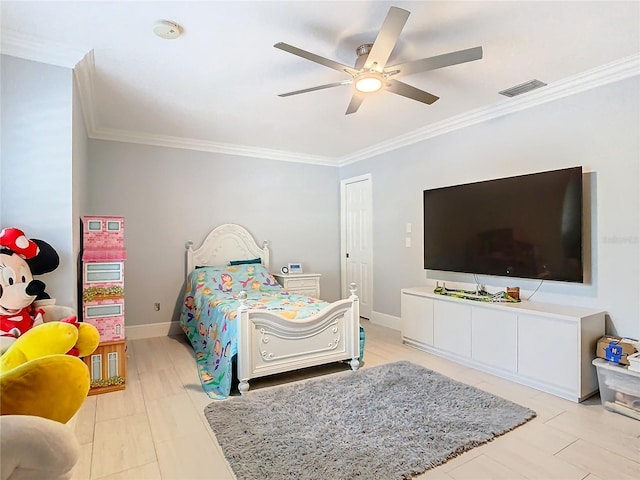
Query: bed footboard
x=268 y=343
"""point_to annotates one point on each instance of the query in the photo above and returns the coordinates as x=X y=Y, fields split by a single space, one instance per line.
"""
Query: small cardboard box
x=615 y=349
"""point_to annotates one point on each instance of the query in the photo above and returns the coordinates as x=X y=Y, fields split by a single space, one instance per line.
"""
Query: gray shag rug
x=382 y=423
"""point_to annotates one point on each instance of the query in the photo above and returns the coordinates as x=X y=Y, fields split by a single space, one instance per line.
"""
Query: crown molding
x=84 y=75
x=603 y=75
x=207 y=146
x=82 y=63
x=612 y=72
x=18 y=44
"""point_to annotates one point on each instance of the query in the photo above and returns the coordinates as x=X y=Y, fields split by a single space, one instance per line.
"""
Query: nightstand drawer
x=311 y=292
x=298 y=283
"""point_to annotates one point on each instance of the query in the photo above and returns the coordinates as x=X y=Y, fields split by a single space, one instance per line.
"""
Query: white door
x=357 y=251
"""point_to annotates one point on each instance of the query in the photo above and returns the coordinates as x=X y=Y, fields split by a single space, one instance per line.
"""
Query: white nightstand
x=307 y=284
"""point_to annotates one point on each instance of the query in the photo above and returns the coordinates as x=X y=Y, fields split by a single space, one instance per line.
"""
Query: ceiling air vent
x=522 y=88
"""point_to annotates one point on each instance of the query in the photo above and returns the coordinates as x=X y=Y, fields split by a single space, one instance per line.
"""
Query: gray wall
x=36 y=180
x=597 y=129
x=169 y=196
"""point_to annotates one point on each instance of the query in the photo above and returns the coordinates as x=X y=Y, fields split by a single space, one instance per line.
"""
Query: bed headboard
x=225 y=243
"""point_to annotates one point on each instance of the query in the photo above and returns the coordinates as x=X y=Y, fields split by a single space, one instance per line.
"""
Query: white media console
x=545 y=346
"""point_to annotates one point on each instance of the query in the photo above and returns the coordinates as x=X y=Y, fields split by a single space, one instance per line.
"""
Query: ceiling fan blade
x=313 y=89
x=439 y=61
x=399 y=88
x=387 y=38
x=354 y=104
x=316 y=58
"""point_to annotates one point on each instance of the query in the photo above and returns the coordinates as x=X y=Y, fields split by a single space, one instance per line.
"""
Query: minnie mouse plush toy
x=20 y=259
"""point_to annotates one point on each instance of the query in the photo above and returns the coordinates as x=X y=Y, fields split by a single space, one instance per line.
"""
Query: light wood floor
x=155 y=429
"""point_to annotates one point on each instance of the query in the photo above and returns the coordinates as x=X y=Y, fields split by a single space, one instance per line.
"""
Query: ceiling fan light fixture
x=371 y=72
x=368 y=82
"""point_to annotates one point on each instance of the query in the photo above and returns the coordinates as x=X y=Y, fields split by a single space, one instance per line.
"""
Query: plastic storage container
x=619 y=388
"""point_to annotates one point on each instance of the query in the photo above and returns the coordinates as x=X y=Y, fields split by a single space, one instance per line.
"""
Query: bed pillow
x=235 y=278
x=245 y=262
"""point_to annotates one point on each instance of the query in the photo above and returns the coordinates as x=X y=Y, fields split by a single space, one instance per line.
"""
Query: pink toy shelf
x=103 y=256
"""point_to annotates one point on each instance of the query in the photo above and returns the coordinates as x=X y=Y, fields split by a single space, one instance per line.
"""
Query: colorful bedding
x=208 y=316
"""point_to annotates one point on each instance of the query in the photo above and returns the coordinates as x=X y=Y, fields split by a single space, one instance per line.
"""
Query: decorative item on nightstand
x=295 y=268
x=103 y=256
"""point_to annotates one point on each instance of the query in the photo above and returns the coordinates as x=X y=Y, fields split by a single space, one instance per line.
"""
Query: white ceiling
x=215 y=88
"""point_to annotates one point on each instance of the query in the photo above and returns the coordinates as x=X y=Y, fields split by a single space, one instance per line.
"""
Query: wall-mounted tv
x=529 y=226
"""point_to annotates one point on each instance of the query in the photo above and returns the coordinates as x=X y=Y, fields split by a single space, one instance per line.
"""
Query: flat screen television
x=529 y=226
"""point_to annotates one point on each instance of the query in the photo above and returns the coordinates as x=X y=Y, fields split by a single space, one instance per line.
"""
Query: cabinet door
x=417 y=318
x=103 y=272
x=494 y=338
x=548 y=351
x=452 y=328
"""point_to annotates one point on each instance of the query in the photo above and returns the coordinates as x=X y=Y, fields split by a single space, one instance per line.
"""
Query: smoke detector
x=167 y=30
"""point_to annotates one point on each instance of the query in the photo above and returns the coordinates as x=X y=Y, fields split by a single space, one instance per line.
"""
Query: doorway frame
x=343 y=236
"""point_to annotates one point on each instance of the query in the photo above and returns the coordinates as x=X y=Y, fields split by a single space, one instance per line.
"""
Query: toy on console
x=20 y=293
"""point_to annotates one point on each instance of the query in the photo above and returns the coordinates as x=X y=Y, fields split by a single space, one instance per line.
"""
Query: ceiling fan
x=371 y=73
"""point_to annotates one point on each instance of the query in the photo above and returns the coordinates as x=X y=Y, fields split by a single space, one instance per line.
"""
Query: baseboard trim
x=150 y=330
x=385 y=320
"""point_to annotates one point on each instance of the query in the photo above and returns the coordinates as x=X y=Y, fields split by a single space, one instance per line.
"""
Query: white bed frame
x=267 y=342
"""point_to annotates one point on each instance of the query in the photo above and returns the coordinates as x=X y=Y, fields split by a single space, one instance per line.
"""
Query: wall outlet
x=156 y=307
